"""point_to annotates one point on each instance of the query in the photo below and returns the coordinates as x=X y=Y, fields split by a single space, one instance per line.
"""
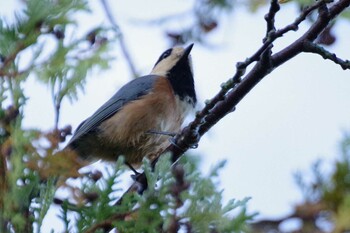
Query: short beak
x=187 y=50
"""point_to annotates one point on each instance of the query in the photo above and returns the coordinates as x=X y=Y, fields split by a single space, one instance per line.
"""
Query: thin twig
x=271 y=36
x=311 y=47
x=270 y=18
x=241 y=66
x=295 y=25
x=121 y=38
x=228 y=97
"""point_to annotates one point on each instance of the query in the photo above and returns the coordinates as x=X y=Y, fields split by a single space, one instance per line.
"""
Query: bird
x=137 y=120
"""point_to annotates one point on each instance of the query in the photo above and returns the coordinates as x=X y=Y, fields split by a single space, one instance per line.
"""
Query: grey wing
x=129 y=92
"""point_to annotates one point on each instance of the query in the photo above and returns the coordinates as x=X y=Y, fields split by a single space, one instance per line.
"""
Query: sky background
x=293 y=117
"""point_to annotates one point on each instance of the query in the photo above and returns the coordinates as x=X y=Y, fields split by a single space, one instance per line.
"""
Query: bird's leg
x=136 y=173
x=171 y=139
x=192 y=141
x=170 y=134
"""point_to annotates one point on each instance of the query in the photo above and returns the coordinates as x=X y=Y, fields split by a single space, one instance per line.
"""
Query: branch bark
x=122 y=43
x=234 y=90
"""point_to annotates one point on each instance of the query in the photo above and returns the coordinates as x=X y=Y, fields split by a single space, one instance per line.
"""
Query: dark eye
x=165 y=54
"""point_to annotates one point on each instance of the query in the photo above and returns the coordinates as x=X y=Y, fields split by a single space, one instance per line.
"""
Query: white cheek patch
x=163 y=67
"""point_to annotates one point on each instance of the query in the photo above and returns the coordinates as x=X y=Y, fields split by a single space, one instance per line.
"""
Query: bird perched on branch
x=136 y=120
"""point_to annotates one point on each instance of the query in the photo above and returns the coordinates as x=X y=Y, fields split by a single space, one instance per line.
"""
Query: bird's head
x=173 y=59
x=176 y=65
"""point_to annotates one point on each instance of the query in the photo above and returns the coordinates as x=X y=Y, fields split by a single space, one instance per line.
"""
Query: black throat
x=182 y=82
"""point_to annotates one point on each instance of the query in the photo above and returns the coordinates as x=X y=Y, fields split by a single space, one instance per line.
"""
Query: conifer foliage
x=40 y=44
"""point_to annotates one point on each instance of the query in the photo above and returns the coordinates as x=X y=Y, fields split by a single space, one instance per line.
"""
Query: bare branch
x=260 y=70
x=270 y=18
x=271 y=36
x=295 y=25
x=234 y=90
x=311 y=47
x=122 y=43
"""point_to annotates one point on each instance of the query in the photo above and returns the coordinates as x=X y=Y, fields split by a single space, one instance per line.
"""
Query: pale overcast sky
x=294 y=116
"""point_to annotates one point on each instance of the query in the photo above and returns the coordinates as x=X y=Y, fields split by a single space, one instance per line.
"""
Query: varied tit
x=134 y=122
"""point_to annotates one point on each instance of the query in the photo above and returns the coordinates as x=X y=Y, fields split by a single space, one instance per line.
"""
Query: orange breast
x=126 y=132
